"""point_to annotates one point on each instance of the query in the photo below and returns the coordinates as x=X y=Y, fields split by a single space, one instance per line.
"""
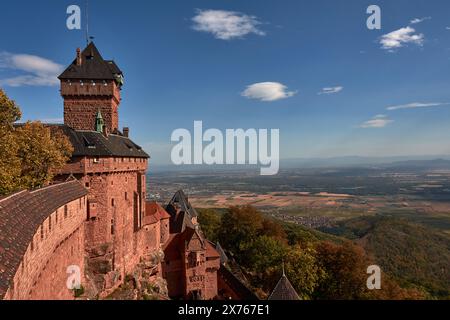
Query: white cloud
x=379 y=121
x=417 y=105
x=268 y=91
x=419 y=20
x=226 y=25
x=398 y=38
x=331 y=90
x=447 y=28
x=36 y=71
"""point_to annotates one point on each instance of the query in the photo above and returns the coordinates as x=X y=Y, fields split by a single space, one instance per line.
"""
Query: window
x=32 y=244
x=126 y=195
x=56 y=216
x=112 y=202
x=66 y=210
x=86 y=185
x=112 y=226
x=50 y=224
x=42 y=232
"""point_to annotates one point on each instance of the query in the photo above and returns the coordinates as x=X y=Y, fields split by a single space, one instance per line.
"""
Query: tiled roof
x=284 y=290
x=93 y=143
x=93 y=67
x=154 y=208
x=21 y=215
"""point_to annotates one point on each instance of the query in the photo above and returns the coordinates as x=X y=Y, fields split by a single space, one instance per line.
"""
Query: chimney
x=79 y=60
x=105 y=131
x=126 y=132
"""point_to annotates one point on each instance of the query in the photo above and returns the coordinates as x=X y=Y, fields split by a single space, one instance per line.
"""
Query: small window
x=66 y=210
x=86 y=185
x=42 y=232
x=126 y=195
x=112 y=202
x=32 y=244
x=50 y=224
x=112 y=226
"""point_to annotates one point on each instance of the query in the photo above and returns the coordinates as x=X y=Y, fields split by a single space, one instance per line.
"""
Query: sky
x=309 y=68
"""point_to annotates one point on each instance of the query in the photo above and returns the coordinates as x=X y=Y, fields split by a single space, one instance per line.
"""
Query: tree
x=239 y=227
x=345 y=266
x=209 y=219
x=30 y=153
x=304 y=271
x=9 y=112
x=273 y=229
x=40 y=154
x=9 y=162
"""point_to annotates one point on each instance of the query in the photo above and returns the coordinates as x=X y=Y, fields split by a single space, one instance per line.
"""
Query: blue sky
x=335 y=87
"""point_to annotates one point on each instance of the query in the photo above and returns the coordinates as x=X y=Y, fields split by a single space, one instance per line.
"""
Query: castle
x=95 y=215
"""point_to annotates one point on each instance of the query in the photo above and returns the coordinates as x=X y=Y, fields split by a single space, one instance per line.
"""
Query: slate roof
x=180 y=199
x=93 y=67
x=236 y=284
x=179 y=223
x=21 y=215
x=284 y=290
x=96 y=144
x=223 y=255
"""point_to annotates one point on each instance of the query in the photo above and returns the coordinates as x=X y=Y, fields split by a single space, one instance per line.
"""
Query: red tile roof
x=154 y=212
x=21 y=214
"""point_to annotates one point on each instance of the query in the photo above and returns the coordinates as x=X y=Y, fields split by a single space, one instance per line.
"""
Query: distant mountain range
x=356 y=161
x=403 y=162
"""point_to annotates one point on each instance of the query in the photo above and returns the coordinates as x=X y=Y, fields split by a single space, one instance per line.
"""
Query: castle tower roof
x=90 y=65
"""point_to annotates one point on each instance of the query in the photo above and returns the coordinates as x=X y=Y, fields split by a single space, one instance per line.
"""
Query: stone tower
x=91 y=85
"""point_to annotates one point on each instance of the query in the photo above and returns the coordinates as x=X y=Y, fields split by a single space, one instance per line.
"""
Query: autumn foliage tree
x=29 y=153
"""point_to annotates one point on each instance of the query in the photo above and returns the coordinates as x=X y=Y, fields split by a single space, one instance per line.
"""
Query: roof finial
x=284 y=274
x=99 y=123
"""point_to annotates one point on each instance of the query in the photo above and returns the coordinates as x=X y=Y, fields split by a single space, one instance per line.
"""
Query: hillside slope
x=414 y=254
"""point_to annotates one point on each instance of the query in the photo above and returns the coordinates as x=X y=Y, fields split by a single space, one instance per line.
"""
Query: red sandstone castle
x=96 y=217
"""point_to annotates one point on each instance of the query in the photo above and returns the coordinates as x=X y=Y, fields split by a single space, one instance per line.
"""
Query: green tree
x=304 y=271
x=239 y=227
x=209 y=219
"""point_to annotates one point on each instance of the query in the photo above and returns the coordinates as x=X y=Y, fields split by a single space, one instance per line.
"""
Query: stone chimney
x=79 y=59
x=105 y=131
x=126 y=132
